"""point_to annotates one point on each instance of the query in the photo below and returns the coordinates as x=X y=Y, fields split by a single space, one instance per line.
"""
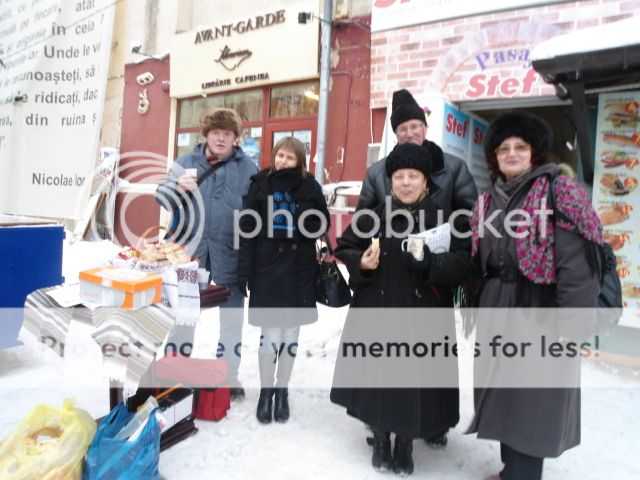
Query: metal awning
x=590 y=60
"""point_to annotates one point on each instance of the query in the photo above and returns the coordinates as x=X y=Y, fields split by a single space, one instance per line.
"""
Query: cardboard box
x=176 y=404
x=119 y=287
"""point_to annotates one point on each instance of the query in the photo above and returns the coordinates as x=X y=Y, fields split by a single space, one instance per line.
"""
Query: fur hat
x=530 y=128
x=222 y=119
x=408 y=155
x=404 y=107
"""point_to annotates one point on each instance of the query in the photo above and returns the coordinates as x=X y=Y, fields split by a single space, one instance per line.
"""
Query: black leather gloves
x=410 y=262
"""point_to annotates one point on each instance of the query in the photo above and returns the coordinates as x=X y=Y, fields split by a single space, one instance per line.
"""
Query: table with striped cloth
x=129 y=339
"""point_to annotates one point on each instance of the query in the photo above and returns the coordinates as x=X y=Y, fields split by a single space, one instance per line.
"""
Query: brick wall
x=480 y=57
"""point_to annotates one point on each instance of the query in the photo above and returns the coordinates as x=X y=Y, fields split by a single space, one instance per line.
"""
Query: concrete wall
x=152 y=24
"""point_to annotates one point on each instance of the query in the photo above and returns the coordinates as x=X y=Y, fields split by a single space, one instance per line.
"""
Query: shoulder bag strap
x=327 y=241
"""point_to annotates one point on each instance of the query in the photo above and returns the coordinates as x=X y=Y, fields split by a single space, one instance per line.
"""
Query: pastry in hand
x=375 y=244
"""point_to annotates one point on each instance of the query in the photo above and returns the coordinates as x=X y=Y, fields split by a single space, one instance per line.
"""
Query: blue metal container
x=30 y=258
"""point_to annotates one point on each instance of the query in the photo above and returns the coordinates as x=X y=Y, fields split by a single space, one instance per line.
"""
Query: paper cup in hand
x=203 y=278
x=415 y=245
x=191 y=171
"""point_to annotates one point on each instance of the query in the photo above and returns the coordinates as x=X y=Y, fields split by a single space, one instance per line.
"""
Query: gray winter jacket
x=455 y=188
x=541 y=422
x=222 y=193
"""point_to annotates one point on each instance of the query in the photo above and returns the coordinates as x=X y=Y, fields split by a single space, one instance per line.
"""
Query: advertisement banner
x=455 y=137
x=616 y=196
x=389 y=14
x=55 y=59
x=477 y=162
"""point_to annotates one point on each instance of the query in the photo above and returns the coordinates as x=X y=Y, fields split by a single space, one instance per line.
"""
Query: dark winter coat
x=412 y=412
x=541 y=422
x=281 y=271
x=222 y=193
x=455 y=186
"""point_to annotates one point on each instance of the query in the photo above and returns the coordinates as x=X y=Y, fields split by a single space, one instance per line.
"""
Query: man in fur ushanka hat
x=223 y=174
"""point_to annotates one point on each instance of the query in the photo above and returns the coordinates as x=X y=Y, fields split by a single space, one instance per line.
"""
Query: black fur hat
x=408 y=155
x=530 y=128
x=404 y=107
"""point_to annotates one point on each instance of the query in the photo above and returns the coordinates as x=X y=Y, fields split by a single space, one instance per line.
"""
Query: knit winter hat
x=222 y=119
x=404 y=107
x=408 y=155
x=530 y=128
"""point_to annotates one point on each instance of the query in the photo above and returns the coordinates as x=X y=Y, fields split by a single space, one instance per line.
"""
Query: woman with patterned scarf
x=548 y=261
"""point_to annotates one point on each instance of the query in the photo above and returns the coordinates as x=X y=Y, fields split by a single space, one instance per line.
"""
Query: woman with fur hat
x=384 y=276
x=538 y=263
x=221 y=192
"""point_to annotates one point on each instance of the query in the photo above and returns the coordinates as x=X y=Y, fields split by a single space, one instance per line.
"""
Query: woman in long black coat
x=387 y=278
x=285 y=211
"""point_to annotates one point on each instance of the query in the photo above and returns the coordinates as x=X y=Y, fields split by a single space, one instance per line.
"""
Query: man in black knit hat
x=451 y=185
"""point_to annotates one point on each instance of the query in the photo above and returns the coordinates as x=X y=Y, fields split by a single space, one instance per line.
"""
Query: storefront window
x=187 y=141
x=294 y=100
x=251 y=140
x=248 y=104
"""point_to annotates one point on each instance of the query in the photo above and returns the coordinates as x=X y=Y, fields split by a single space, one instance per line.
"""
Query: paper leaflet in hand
x=438 y=239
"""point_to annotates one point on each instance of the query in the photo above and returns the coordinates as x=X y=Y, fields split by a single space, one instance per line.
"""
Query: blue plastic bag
x=111 y=459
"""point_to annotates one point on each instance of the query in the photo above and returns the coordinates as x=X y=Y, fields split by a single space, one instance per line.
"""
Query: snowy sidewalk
x=320 y=441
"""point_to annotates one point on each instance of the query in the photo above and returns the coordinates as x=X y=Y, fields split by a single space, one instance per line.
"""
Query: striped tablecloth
x=129 y=339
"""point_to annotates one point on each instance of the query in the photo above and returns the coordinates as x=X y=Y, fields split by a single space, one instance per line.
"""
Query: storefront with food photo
x=468 y=66
x=478 y=60
x=598 y=70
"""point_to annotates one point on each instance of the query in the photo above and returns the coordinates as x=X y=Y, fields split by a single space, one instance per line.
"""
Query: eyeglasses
x=520 y=149
x=410 y=127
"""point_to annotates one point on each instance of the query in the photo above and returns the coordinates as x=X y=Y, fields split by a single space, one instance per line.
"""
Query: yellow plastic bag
x=49 y=444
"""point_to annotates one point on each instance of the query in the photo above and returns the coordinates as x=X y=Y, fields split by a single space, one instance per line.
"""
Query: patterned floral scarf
x=535 y=241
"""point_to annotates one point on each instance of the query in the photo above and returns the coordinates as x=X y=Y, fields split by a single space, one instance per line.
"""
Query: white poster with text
x=53 y=76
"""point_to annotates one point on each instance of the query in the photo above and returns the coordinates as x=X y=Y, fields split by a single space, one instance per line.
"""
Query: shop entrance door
x=304 y=131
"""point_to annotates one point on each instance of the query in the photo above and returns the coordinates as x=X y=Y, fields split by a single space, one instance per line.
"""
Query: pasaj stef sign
x=390 y=14
x=53 y=79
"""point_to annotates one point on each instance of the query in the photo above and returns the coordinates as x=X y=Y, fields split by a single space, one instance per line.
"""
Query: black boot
x=281 y=407
x=402 y=458
x=236 y=391
x=437 y=441
x=265 y=405
x=381 y=459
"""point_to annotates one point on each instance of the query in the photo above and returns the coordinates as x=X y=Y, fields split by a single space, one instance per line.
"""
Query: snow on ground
x=320 y=441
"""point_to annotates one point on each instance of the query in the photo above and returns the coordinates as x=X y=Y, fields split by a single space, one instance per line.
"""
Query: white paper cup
x=203 y=278
x=191 y=171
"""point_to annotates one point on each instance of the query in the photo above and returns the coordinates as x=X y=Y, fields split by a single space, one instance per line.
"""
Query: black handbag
x=331 y=287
